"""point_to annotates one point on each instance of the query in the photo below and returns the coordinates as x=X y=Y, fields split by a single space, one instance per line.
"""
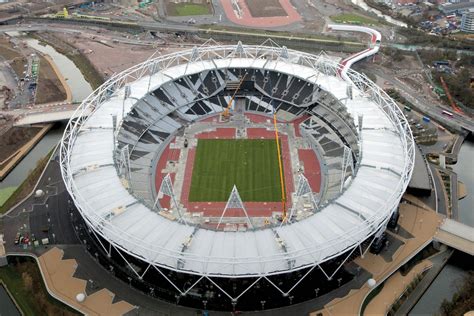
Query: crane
x=450 y=98
x=280 y=167
x=225 y=114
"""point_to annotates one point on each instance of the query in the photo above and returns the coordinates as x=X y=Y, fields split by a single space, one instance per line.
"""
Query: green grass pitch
x=250 y=164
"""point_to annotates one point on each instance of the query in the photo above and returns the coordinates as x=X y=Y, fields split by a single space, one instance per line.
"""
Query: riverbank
x=62 y=80
x=445 y=286
x=27 y=186
x=417 y=227
x=90 y=73
x=49 y=89
x=12 y=161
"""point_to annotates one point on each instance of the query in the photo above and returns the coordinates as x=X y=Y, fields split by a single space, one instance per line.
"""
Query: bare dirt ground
x=109 y=60
x=111 y=57
x=50 y=88
x=12 y=56
x=14 y=138
x=246 y=18
x=265 y=8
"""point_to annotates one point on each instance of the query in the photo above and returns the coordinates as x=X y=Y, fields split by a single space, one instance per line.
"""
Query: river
x=465 y=170
x=80 y=88
x=27 y=164
x=444 y=286
x=449 y=279
x=8 y=307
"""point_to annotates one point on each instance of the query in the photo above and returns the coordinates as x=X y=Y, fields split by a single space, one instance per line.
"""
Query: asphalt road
x=433 y=111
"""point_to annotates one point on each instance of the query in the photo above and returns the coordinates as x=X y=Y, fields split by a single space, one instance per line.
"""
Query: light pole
x=126 y=95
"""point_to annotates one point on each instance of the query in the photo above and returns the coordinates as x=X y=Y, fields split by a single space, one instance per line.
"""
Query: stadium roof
x=365 y=205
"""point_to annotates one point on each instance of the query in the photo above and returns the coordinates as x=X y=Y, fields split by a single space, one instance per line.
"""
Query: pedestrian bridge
x=456 y=235
x=45 y=116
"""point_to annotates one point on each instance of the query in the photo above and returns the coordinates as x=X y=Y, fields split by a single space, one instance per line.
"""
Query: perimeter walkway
x=394 y=288
x=417 y=226
x=59 y=278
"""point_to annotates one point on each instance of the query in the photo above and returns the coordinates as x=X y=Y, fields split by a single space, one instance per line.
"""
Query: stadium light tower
x=125 y=97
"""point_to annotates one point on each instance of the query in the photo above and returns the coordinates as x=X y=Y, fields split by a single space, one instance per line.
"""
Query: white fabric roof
x=100 y=194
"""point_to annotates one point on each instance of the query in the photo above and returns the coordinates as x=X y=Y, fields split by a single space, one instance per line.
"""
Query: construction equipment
x=450 y=98
x=280 y=166
x=225 y=114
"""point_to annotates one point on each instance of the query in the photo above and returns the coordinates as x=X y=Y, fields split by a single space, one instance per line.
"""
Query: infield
x=187 y=9
x=250 y=164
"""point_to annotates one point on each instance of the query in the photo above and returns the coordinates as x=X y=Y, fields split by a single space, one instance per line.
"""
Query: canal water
x=450 y=278
x=80 y=88
x=447 y=283
x=465 y=170
x=27 y=164
x=8 y=308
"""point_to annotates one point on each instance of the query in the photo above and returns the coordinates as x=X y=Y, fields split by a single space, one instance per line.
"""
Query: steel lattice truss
x=279 y=249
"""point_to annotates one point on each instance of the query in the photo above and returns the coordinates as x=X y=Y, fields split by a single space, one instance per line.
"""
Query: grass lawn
x=250 y=164
x=5 y=194
x=354 y=19
x=185 y=9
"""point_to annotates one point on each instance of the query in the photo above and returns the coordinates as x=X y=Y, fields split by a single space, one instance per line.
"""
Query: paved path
x=438 y=262
x=421 y=224
x=58 y=275
x=394 y=287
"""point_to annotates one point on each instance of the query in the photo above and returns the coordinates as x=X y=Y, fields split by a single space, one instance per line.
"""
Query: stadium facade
x=110 y=150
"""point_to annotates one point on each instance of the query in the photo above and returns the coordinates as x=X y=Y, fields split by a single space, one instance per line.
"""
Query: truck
x=426 y=119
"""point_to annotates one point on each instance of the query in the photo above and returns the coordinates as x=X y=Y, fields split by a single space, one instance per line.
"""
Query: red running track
x=219 y=133
x=169 y=154
x=258 y=118
x=297 y=122
x=259 y=133
x=248 y=20
x=312 y=168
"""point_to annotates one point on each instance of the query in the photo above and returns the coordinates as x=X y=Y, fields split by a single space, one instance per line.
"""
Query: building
x=467 y=21
x=198 y=255
x=456 y=8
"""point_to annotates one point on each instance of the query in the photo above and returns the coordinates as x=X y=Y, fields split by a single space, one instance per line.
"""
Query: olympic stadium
x=236 y=177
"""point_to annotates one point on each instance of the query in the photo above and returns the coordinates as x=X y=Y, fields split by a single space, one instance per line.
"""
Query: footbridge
x=374 y=46
x=456 y=235
x=46 y=114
